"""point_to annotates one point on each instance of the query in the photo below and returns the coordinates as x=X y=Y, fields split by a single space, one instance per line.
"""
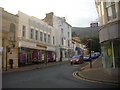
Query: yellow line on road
x=85 y=79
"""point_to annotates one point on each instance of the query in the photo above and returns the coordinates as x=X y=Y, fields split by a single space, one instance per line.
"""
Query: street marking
x=86 y=79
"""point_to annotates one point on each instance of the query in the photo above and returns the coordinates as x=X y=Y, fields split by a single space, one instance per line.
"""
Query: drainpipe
x=113 y=55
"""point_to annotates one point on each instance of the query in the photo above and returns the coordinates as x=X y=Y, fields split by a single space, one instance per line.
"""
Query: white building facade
x=63 y=35
x=36 y=40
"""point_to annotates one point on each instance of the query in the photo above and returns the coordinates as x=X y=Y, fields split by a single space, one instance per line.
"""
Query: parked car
x=76 y=59
x=97 y=54
x=86 y=58
x=93 y=56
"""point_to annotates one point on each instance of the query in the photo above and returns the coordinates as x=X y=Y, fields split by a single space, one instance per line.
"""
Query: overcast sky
x=78 y=13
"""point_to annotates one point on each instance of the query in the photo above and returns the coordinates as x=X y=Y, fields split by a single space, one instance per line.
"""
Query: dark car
x=97 y=54
x=86 y=58
x=93 y=56
x=76 y=59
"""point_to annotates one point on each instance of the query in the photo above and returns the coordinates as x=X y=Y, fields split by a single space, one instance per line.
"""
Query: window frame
x=31 y=33
x=45 y=37
x=109 y=8
x=36 y=35
x=48 y=38
x=41 y=36
x=23 y=31
x=53 y=40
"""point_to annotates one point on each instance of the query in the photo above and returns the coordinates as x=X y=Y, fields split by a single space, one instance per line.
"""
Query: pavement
x=98 y=74
x=33 y=67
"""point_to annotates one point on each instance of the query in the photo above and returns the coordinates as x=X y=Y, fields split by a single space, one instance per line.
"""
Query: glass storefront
x=29 y=56
x=111 y=55
x=107 y=54
x=116 y=45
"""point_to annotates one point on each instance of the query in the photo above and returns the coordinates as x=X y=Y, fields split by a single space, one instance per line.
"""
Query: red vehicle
x=76 y=59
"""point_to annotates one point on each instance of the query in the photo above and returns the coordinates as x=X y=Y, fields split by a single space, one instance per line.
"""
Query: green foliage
x=74 y=34
x=94 y=43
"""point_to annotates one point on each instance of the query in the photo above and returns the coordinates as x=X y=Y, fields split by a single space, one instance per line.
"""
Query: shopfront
x=51 y=56
x=28 y=56
x=111 y=53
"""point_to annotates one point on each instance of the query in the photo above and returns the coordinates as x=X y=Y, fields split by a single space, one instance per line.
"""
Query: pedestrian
x=11 y=63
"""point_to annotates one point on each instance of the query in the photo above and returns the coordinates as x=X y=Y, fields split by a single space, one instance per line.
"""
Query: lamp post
x=90 y=40
x=89 y=46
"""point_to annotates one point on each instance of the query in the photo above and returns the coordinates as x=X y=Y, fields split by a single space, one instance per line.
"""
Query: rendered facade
x=109 y=33
x=63 y=35
x=28 y=40
x=36 y=40
x=9 y=39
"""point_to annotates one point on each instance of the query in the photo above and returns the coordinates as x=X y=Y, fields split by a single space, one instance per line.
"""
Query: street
x=59 y=76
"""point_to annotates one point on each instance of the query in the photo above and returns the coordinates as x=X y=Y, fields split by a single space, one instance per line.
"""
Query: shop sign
x=109 y=52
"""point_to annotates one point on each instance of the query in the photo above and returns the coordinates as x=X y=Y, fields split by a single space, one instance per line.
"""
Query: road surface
x=59 y=76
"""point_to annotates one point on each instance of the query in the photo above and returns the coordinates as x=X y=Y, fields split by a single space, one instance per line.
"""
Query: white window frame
x=23 y=31
x=109 y=9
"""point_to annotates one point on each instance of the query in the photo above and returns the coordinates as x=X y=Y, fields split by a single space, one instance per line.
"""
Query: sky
x=78 y=13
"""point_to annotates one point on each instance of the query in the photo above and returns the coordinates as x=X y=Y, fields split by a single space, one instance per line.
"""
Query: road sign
x=1 y=49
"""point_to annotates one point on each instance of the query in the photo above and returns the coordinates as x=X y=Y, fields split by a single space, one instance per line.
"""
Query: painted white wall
x=23 y=20
x=38 y=25
x=59 y=23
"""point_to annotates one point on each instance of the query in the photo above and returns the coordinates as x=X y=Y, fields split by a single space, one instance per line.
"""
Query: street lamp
x=89 y=46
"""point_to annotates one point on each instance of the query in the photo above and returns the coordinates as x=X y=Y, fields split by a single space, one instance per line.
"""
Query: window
x=68 y=34
x=36 y=35
x=12 y=31
x=48 y=38
x=53 y=40
x=12 y=27
x=111 y=11
x=41 y=35
x=32 y=34
x=62 y=40
x=62 y=30
x=45 y=37
x=23 y=31
x=68 y=43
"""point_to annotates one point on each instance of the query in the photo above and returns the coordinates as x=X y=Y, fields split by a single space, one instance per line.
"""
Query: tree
x=92 y=44
x=74 y=34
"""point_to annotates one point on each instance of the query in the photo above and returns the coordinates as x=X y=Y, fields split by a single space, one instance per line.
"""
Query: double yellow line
x=77 y=75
